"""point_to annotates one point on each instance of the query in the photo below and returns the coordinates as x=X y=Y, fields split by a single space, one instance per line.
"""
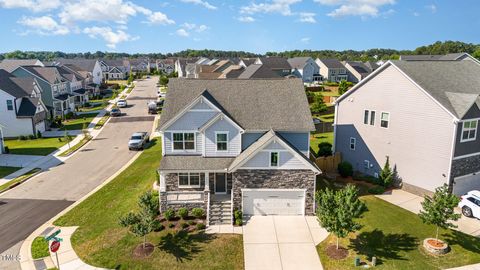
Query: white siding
x=234 y=139
x=13 y=126
x=167 y=137
x=418 y=140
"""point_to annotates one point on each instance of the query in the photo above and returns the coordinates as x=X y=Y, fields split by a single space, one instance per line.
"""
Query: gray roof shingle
x=12 y=64
x=194 y=163
x=298 y=62
x=28 y=107
x=15 y=86
x=332 y=63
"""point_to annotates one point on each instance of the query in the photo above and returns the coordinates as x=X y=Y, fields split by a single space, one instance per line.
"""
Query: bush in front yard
x=345 y=169
x=238 y=217
x=201 y=226
x=158 y=226
x=169 y=214
x=198 y=212
x=324 y=149
x=376 y=190
x=183 y=212
x=184 y=225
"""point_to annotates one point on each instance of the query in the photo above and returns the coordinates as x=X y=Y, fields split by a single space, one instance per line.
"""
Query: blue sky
x=256 y=26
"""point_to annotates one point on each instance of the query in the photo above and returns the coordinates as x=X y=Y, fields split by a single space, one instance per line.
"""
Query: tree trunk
x=436 y=236
x=144 y=241
x=337 y=242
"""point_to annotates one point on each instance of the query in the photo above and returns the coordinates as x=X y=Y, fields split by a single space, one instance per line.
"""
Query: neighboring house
x=278 y=65
x=56 y=94
x=90 y=69
x=439 y=57
x=139 y=65
x=192 y=70
x=245 y=62
x=22 y=111
x=115 y=69
x=232 y=72
x=357 y=71
x=371 y=65
x=423 y=115
x=166 y=66
x=305 y=68
x=258 y=71
x=242 y=142
x=332 y=70
x=76 y=85
x=205 y=61
x=181 y=64
x=222 y=65
x=12 y=64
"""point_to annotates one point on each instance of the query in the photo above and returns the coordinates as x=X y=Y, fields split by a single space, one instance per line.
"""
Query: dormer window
x=222 y=141
x=469 y=131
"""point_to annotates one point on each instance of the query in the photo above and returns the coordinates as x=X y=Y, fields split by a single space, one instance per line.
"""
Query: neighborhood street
x=29 y=205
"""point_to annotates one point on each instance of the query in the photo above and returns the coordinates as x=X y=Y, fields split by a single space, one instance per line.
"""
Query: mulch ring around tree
x=140 y=252
x=336 y=254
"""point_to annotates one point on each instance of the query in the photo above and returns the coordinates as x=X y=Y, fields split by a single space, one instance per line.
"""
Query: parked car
x=470 y=204
x=138 y=141
x=115 y=112
x=152 y=107
x=122 y=103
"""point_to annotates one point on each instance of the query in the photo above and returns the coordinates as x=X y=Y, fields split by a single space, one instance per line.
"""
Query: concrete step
x=220 y=202
x=220 y=221
x=222 y=215
x=216 y=207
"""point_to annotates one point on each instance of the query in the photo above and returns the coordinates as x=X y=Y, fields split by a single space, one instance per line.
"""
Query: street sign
x=54 y=246
x=52 y=236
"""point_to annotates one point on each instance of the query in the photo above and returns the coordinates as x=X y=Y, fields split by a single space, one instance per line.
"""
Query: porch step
x=221 y=212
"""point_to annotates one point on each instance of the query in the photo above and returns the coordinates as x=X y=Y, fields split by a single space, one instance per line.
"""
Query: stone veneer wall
x=171 y=183
x=465 y=166
x=279 y=179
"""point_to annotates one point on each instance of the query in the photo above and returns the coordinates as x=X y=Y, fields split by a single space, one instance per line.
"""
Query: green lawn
x=41 y=147
x=40 y=248
x=394 y=236
x=96 y=107
x=102 y=242
x=316 y=138
x=77 y=124
x=4 y=171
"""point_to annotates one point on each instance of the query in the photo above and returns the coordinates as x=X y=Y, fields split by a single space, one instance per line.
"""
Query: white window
x=372 y=118
x=353 y=143
x=365 y=117
x=366 y=164
x=369 y=117
x=274 y=159
x=9 y=104
x=385 y=119
x=222 y=141
x=183 y=141
x=469 y=131
x=189 y=179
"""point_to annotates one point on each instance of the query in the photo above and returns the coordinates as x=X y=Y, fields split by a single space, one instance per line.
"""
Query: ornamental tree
x=438 y=210
x=342 y=87
x=337 y=210
x=386 y=175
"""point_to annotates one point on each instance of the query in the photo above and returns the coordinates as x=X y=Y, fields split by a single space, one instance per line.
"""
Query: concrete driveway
x=282 y=242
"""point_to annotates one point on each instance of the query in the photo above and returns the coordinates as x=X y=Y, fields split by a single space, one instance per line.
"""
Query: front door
x=220 y=183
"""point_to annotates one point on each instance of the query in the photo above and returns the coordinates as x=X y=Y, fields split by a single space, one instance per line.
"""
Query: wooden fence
x=328 y=164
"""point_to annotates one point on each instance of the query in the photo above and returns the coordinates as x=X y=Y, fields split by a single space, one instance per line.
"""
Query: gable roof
x=12 y=64
x=79 y=63
x=275 y=62
x=372 y=65
x=256 y=105
x=28 y=107
x=69 y=74
x=48 y=74
x=432 y=57
x=258 y=71
x=298 y=62
x=332 y=63
x=15 y=86
x=359 y=67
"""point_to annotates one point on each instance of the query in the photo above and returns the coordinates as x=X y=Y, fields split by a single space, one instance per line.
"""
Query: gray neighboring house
x=332 y=70
x=357 y=71
x=11 y=64
x=423 y=115
x=115 y=69
x=237 y=144
x=305 y=68
x=90 y=69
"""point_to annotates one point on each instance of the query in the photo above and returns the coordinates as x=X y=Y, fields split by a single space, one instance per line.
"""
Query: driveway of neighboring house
x=412 y=203
x=282 y=242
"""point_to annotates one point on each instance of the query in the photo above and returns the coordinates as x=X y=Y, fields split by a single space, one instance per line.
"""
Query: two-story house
x=76 y=85
x=115 y=69
x=241 y=143
x=305 y=68
x=356 y=70
x=140 y=65
x=55 y=88
x=90 y=69
x=332 y=70
x=166 y=66
x=22 y=111
x=423 y=115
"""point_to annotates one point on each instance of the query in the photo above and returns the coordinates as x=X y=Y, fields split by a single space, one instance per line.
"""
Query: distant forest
x=363 y=55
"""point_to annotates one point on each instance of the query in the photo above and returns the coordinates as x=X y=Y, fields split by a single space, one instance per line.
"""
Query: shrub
x=31 y=137
x=386 y=175
x=22 y=138
x=39 y=134
x=201 y=226
x=198 y=212
x=324 y=149
x=6 y=149
x=376 y=190
x=368 y=178
x=158 y=226
x=182 y=212
x=191 y=222
x=171 y=225
x=69 y=115
x=345 y=169
x=169 y=214
x=184 y=225
x=238 y=217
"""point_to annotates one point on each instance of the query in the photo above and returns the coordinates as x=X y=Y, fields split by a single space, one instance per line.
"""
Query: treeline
x=363 y=55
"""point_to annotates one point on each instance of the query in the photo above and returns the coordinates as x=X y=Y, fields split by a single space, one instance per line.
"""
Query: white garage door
x=464 y=184
x=40 y=126
x=287 y=202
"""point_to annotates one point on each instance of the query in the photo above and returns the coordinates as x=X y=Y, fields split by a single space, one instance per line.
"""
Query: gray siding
x=191 y=120
x=420 y=134
x=466 y=148
x=47 y=97
x=234 y=137
x=287 y=159
x=250 y=137
x=299 y=140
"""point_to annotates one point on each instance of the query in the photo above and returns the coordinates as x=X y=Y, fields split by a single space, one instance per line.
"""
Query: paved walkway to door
x=282 y=242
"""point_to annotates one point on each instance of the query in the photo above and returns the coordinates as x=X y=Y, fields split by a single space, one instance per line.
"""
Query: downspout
x=335 y=119
x=452 y=154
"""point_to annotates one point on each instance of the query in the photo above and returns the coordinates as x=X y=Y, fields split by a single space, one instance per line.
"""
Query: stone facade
x=280 y=179
x=465 y=166
x=171 y=183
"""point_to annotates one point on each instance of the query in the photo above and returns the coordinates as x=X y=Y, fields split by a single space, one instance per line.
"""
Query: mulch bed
x=435 y=243
x=336 y=254
x=140 y=252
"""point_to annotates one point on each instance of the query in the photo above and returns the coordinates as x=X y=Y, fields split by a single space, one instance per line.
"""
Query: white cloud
x=43 y=25
x=416 y=14
x=182 y=32
x=363 y=8
x=201 y=28
x=432 y=8
x=194 y=27
x=159 y=18
x=110 y=36
x=274 y=6
x=33 y=5
x=246 y=19
x=201 y=3
x=307 y=17
x=305 y=40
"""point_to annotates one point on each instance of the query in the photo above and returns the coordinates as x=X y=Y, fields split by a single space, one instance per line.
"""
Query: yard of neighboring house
x=102 y=242
x=4 y=171
x=78 y=124
x=41 y=146
x=394 y=236
x=317 y=138
x=95 y=106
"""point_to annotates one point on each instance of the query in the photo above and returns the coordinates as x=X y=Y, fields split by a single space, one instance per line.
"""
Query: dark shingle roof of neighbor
x=248 y=61
x=371 y=65
x=279 y=104
x=28 y=107
x=12 y=64
x=430 y=57
x=298 y=62
x=359 y=67
x=15 y=86
x=257 y=71
x=275 y=62
x=47 y=73
x=69 y=74
x=82 y=64
x=192 y=163
x=332 y=63
x=454 y=84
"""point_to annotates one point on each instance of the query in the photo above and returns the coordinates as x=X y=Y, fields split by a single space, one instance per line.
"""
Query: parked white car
x=122 y=103
x=470 y=204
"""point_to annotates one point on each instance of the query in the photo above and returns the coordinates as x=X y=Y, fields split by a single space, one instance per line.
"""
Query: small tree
x=324 y=149
x=439 y=209
x=163 y=80
x=386 y=175
x=342 y=87
x=144 y=221
x=318 y=104
x=337 y=210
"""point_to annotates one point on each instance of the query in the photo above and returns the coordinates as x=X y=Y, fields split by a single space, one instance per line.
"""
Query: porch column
x=162 y=193
x=207 y=182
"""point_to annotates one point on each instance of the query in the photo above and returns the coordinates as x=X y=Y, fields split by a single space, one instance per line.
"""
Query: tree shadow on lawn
x=183 y=245
x=383 y=247
x=468 y=242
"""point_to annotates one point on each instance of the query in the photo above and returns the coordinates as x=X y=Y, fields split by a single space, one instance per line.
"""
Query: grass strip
x=17 y=181
x=39 y=248
x=77 y=146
